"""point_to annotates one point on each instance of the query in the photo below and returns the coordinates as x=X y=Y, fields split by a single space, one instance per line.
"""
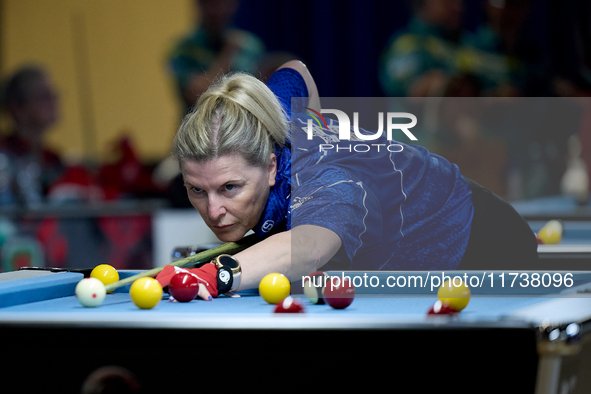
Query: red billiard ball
x=314 y=287
x=339 y=293
x=441 y=308
x=289 y=305
x=183 y=287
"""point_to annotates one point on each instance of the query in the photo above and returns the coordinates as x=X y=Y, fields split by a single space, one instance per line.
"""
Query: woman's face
x=229 y=193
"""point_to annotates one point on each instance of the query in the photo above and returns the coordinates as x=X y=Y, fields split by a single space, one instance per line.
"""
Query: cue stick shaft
x=205 y=256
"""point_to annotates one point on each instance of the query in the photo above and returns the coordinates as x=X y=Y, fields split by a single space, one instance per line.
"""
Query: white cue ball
x=90 y=292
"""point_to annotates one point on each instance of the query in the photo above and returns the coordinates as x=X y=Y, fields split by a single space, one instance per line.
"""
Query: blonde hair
x=237 y=114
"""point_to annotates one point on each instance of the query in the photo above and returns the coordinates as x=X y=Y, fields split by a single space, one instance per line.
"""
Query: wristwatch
x=229 y=272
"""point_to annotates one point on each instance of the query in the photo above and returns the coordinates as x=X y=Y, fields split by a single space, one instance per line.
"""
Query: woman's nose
x=216 y=207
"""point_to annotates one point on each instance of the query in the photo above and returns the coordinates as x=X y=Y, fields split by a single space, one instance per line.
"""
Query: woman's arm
x=314 y=98
x=294 y=253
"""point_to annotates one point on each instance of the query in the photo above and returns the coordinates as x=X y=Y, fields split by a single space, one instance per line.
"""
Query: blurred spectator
x=127 y=177
x=433 y=50
x=213 y=47
x=508 y=63
x=571 y=44
x=123 y=177
x=425 y=60
x=462 y=136
x=526 y=146
x=27 y=167
x=499 y=54
x=419 y=60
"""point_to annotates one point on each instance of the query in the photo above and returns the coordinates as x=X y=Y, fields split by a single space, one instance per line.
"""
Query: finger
x=203 y=293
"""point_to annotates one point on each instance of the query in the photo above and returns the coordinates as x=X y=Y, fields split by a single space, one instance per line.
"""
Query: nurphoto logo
x=344 y=130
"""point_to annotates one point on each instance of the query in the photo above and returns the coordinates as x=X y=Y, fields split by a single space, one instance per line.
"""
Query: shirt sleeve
x=286 y=83
x=337 y=202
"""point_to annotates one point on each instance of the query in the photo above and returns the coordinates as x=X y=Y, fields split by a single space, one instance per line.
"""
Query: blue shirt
x=404 y=210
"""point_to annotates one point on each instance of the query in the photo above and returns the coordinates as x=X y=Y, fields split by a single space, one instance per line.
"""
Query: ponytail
x=237 y=114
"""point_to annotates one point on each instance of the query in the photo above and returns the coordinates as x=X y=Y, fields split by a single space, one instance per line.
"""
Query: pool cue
x=201 y=257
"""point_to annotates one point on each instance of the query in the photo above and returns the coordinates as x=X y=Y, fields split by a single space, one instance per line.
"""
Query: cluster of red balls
x=320 y=288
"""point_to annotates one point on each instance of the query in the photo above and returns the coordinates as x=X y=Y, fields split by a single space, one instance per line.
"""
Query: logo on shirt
x=299 y=201
x=267 y=226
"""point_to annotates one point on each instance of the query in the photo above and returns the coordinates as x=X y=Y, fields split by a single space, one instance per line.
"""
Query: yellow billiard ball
x=456 y=297
x=551 y=233
x=145 y=293
x=274 y=288
x=106 y=274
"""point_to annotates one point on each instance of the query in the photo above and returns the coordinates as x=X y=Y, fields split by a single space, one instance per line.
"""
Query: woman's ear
x=272 y=169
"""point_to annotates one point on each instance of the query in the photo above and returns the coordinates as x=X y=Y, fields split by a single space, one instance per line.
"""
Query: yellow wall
x=107 y=58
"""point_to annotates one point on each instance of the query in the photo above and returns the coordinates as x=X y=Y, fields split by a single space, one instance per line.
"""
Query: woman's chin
x=232 y=235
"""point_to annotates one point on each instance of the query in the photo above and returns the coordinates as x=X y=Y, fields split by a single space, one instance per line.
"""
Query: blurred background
x=93 y=92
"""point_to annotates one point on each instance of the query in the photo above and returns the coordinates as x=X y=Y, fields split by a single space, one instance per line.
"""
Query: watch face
x=224 y=276
x=228 y=261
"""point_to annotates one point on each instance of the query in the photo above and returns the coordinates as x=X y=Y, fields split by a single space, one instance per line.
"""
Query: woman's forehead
x=230 y=160
x=216 y=170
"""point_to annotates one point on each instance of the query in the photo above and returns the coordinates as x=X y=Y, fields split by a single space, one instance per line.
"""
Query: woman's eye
x=230 y=187
x=196 y=189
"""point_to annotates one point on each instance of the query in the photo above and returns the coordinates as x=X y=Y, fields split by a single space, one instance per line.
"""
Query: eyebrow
x=234 y=181
x=186 y=183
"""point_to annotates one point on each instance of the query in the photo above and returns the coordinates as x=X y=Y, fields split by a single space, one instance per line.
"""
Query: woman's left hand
x=206 y=275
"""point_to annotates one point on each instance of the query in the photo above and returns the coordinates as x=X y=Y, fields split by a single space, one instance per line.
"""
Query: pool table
x=553 y=207
x=573 y=252
x=512 y=337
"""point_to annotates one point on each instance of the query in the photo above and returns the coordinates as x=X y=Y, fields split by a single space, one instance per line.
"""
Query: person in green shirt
x=505 y=63
x=422 y=57
x=212 y=48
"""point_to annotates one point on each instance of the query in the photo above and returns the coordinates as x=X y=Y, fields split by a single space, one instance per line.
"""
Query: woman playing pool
x=247 y=164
